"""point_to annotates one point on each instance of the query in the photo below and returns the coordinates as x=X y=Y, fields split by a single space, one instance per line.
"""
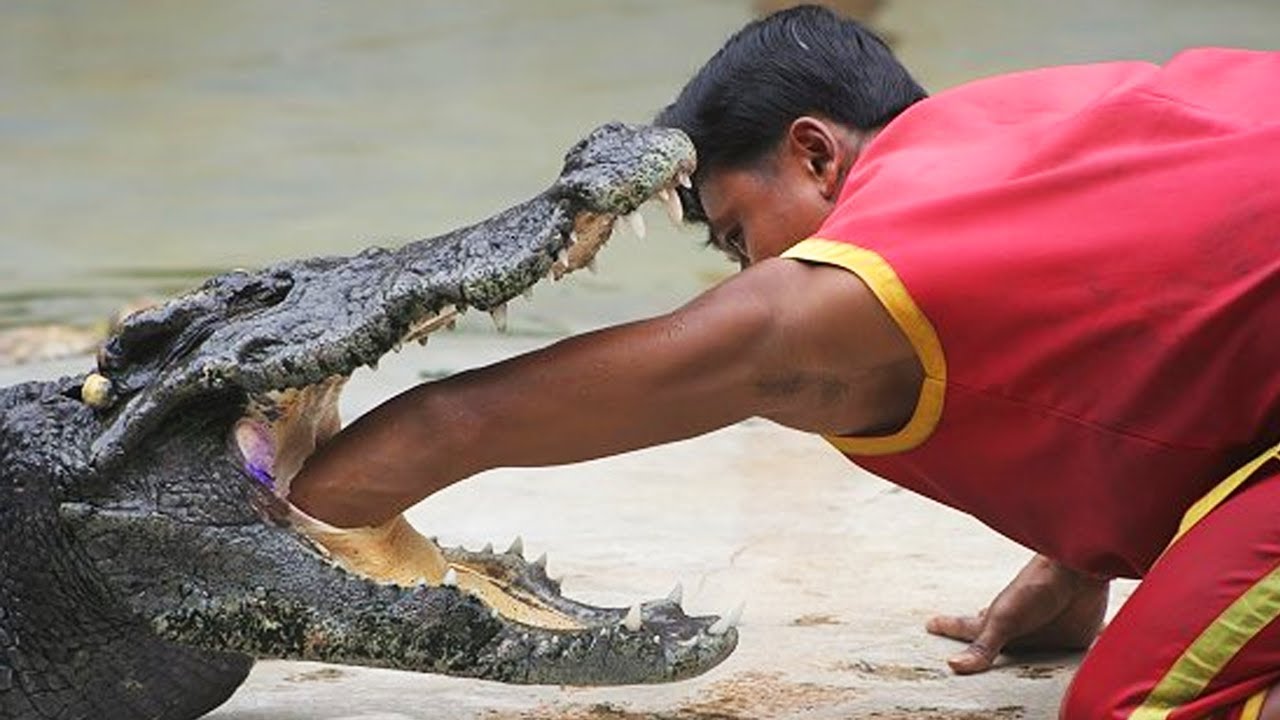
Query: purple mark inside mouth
x=256 y=447
x=261 y=475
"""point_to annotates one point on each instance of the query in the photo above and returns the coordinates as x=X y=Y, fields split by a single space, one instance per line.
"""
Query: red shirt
x=1087 y=260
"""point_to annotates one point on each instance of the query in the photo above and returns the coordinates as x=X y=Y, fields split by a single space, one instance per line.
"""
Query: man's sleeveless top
x=1087 y=261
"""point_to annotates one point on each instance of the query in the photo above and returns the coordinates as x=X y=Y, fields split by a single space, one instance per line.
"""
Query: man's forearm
x=594 y=395
x=807 y=346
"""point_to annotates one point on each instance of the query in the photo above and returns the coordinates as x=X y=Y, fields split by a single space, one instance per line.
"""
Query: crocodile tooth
x=635 y=221
x=488 y=549
x=724 y=624
x=675 y=210
x=562 y=257
x=632 y=620
x=499 y=315
x=573 y=237
x=541 y=562
x=685 y=181
x=591 y=265
x=517 y=546
x=677 y=594
x=671 y=203
x=528 y=294
x=450 y=578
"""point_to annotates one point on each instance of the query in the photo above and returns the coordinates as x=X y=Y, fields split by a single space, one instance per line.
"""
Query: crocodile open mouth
x=282 y=428
x=267 y=352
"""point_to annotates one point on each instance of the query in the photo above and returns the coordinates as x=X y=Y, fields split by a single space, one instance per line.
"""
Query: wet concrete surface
x=838 y=570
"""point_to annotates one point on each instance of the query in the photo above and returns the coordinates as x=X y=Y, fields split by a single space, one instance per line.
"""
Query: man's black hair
x=803 y=61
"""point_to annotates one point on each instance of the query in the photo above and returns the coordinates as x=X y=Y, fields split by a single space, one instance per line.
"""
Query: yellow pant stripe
x=1244 y=618
x=1214 y=498
x=1213 y=649
x=1253 y=708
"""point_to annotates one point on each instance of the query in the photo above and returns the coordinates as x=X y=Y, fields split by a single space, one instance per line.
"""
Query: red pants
x=1197 y=638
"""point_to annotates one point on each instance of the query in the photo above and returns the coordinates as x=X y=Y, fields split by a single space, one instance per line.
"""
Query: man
x=1048 y=299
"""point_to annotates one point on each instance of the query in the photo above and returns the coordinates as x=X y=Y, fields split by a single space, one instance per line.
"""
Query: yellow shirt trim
x=888 y=288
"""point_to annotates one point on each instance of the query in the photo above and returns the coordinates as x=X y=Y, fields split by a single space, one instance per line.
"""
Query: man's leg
x=1198 y=638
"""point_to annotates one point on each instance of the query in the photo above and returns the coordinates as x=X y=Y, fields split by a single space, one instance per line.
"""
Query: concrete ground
x=838 y=570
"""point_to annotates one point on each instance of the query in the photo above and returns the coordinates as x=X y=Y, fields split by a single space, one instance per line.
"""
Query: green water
x=147 y=144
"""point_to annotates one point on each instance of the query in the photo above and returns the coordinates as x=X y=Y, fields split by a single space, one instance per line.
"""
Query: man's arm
x=808 y=346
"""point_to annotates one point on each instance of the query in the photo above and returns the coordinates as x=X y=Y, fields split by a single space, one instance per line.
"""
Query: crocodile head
x=175 y=457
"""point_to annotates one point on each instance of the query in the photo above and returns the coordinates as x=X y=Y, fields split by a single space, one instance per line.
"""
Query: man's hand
x=1046 y=607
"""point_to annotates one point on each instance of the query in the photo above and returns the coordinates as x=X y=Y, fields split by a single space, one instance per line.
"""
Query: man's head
x=778 y=116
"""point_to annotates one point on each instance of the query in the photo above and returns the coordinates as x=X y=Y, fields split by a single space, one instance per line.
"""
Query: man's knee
x=1095 y=695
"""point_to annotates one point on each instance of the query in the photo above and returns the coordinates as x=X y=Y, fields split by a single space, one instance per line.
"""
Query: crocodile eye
x=97 y=391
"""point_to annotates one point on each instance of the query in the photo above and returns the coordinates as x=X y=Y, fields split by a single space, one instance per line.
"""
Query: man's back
x=1098 y=250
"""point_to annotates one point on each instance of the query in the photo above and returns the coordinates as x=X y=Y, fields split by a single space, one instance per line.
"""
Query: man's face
x=758 y=212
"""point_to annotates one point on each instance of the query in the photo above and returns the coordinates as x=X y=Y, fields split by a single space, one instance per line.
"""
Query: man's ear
x=820 y=147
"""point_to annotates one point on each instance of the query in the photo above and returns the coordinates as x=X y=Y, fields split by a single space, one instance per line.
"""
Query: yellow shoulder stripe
x=888 y=288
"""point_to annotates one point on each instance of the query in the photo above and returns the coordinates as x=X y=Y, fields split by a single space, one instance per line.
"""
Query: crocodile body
x=146 y=552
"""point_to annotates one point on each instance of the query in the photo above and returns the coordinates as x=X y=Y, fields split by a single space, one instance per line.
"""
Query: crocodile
x=148 y=552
